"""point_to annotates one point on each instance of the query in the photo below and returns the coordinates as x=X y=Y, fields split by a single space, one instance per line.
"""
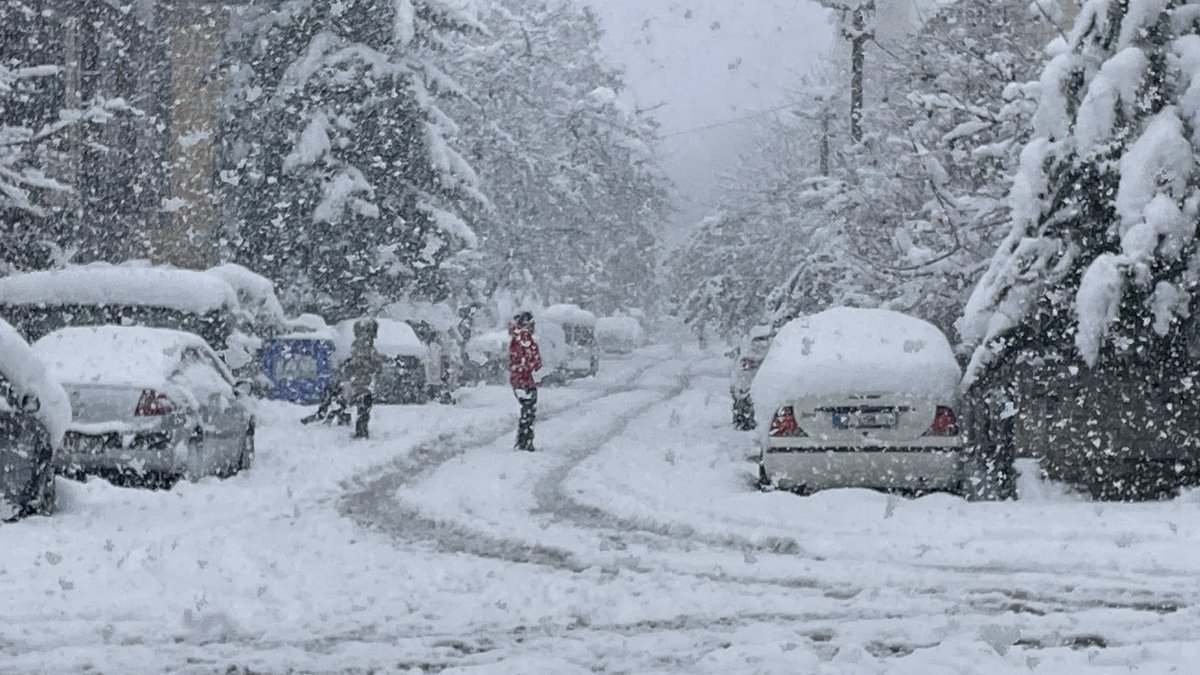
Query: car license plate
x=864 y=420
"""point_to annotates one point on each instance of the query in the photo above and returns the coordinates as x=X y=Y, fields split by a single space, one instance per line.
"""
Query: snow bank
x=568 y=314
x=844 y=350
x=105 y=284
x=26 y=374
x=133 y=356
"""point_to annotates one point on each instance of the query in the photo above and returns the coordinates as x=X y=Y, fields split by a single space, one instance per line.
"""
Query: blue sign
x=299 y=369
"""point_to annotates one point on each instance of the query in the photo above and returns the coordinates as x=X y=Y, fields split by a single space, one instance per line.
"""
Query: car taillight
x=750 y=364
x=153 y=403
x=784 y=423
x=945 y=423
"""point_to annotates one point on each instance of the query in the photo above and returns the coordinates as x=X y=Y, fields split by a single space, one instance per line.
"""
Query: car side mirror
x=243 y=388
x=30 y=403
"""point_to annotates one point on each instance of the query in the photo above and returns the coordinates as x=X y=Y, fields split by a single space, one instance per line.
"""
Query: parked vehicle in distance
x=139 y=294
x=151 y=405
x=746 y=360
x=487 y=357
x=34 y=414
x=437 y=326
x=619 y=334
x=863 y=398
x=404 y=375
x=580 y=353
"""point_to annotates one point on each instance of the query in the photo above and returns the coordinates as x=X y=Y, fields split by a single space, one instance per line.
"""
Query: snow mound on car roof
x=126 y=284
x=395 y=338
x=255 y=293
x=26 y=374
x=133 y=356
x=846 y=351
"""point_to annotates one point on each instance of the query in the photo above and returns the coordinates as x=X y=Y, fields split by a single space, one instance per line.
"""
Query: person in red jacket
x=523 y=360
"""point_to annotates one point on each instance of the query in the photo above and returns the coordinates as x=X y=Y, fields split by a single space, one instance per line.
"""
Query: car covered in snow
x=135 y=293
x=149 y=404
x=578 y=355
x=404 y=376
x=747 y=358
x=862 y=398
x=34 y=414
x=619 y=334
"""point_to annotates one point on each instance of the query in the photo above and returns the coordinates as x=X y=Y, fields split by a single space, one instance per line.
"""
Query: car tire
x=764 y=481
x=246 y=457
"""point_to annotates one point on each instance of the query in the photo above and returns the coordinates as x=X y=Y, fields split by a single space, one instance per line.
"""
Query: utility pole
x=858 y=33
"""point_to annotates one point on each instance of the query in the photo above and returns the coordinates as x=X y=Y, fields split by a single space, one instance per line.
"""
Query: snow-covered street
x=633 y=541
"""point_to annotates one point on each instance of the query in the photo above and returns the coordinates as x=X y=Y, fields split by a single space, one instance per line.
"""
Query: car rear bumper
x=149 y=451
x=918 y=468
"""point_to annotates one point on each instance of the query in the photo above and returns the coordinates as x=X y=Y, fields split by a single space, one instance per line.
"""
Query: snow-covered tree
x=1093 y=291
x=338 y=171
x=42 y=137
x=568 y=165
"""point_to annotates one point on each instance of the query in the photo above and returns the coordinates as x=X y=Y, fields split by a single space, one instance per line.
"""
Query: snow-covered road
x=634 y=541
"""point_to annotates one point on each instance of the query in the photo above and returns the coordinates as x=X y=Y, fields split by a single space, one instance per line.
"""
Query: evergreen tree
x=338 y=173
x=1091 y=296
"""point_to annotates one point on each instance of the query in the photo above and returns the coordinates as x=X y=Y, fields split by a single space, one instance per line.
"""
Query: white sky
x=727 y=60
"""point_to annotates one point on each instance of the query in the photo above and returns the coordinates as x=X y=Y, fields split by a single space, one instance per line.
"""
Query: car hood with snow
x=843 y=356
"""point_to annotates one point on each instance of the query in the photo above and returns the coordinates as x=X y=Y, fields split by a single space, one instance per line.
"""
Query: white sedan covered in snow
x=860 y=398
x=149 y=403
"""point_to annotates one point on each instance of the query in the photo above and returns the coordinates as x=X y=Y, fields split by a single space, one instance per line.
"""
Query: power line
x=733 y=120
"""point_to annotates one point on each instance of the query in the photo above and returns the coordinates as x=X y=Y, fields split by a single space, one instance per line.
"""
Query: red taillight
x=945 y=423
x=153 y=403
x=750 y=364
x=784 y=423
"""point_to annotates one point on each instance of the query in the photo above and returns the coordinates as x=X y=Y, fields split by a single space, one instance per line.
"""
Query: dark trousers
x=364 y=402
x=527 y=396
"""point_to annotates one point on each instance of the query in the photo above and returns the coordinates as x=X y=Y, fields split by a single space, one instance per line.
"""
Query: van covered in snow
x=580 y=354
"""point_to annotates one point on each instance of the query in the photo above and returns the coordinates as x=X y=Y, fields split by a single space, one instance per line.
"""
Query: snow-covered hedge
x=127 y=284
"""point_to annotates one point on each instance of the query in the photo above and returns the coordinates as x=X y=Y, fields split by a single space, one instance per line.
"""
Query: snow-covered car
x=861 y=398
x=619 y=334
x=405 y=372
x=38 y=303
x=746 y=360
x=151 y=404
x=34 y=414
x=437 y=325
x=580 y=354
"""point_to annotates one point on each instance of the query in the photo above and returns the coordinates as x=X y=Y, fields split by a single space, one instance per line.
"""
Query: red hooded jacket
x=523 y=357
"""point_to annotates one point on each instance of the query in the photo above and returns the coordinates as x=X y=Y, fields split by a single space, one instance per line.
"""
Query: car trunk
x=886 y=419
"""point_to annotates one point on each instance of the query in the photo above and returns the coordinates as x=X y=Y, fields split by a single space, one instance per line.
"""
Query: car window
x=202 y=373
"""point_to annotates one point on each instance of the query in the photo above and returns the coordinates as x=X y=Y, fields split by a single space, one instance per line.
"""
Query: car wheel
x=47 y=495
x=246 y=458
x=764 y=481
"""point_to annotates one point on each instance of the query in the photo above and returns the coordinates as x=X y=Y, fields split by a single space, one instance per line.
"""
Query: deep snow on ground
x=634 y=541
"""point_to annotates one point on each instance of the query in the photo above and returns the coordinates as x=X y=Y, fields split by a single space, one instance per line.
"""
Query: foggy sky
x=726 y=61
